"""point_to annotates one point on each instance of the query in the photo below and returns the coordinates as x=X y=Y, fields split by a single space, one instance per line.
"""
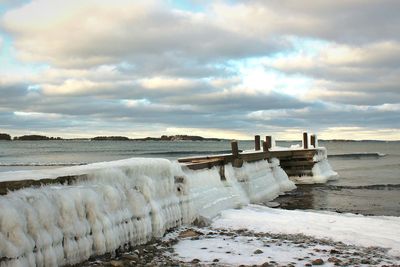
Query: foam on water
x=125 y=203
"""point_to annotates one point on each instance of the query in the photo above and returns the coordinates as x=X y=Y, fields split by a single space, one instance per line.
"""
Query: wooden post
x=257 y=143
x=268 y=142
x=265 y=146
x=237 y=161
x=313 y=140
x=305 y=140
x=235 y=148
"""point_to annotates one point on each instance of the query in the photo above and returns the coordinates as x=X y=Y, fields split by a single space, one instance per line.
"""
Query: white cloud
x=231 y=67
x=165 y=83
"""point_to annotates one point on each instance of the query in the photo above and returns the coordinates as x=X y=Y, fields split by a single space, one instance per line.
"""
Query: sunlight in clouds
x=256 y=76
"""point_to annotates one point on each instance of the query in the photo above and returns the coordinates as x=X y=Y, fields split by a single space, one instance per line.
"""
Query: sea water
x=369 y=172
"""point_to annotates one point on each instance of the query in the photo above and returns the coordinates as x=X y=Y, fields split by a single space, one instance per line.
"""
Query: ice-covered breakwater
x=121 y=203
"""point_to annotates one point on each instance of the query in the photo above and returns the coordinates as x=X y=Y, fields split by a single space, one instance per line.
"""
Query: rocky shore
x=168 y=251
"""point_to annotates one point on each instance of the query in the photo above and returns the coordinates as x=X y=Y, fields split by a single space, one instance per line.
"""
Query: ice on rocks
x=119 y=203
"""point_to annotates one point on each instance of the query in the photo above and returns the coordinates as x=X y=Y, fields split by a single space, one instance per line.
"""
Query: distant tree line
x=36 y=137
x=4 y=136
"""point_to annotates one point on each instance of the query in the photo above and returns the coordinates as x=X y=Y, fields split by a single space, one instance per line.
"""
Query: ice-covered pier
x=297 y=161
x=64 y=216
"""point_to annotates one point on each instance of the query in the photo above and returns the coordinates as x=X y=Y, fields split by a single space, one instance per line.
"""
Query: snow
x=240 y=250
x=380 y=231
x=122 y=202
x=78 y=170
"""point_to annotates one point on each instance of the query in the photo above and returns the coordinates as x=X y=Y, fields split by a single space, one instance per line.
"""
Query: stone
x=116 y=263
x=189 y=233
x=334 y=251
x=317 y=262
x=334 y=260
x=131 y=257
x=258 y=251
x=195 y=261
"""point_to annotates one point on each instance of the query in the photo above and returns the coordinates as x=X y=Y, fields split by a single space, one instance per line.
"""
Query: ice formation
x=321 y=171
x=121 y=203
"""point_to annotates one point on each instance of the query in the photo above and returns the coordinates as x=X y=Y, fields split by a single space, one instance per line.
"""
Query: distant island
x=110 y=138
x=179 y=137
x=34 y=137
x=4 y=136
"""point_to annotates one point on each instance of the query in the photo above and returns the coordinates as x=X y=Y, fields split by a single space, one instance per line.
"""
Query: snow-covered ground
x=257 y=235
x=380 y=231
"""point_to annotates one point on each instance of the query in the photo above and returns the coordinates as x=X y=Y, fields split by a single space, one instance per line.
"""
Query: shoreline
x=217 y=247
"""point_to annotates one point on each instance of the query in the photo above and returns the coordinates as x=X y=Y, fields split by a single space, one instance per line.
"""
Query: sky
x=228 y=69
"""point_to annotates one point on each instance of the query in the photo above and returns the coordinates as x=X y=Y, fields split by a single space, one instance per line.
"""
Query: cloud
x=353 y=21
x=229 y=68
x=100 y=32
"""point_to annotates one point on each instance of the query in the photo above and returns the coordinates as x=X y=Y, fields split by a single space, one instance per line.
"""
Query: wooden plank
x=204 y=164
x=297 y=163
x=227 y=157
x=254 y=156
x=298 y=172
x=7 y=186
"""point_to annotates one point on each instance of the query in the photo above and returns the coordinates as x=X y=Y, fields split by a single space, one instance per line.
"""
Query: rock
x=215 y=260
x=116 y=263
x=258 y=251
x=334 y=260
x=195 y=261
x=317 y=262
x=334 y=251
x=272 y=204
x=266 y=264
x=189 y=233
x=365 y=261
x=130 y=257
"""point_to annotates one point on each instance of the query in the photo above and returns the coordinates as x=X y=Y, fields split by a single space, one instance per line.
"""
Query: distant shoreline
x=7 y=137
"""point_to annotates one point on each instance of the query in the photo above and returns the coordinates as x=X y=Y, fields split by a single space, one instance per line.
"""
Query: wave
x=358 y=155
x=36 y=164
x=370 y=187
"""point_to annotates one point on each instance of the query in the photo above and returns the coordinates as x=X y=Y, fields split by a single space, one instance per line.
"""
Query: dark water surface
x=369 y=181
x=369 y=172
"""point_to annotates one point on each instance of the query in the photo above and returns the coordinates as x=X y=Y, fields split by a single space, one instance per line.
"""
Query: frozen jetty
x=83 y=211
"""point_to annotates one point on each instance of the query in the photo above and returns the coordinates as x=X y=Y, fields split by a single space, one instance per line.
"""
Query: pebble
x=258 y=251
x=317 y=262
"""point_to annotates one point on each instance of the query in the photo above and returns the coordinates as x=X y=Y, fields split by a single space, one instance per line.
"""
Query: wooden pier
x=295 y=162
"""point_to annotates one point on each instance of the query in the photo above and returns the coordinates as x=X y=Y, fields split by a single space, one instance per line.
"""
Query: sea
x=368 y=182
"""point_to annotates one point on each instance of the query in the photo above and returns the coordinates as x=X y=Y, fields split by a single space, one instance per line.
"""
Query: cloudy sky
x=227 y=69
